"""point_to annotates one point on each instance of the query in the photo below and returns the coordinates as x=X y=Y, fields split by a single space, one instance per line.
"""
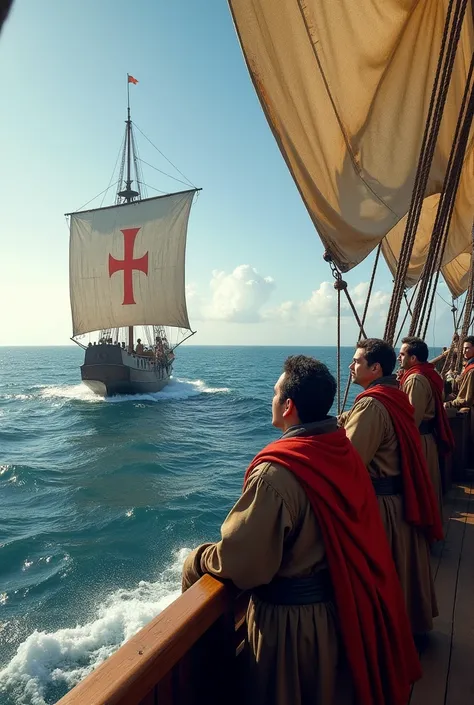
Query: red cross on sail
x=128 y=265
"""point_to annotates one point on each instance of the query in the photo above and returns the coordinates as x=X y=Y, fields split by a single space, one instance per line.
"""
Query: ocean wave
x=177 y=389
x=58 y=660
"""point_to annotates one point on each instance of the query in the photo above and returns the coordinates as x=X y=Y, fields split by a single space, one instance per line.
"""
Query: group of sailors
x=333 y=530
x=160 y=352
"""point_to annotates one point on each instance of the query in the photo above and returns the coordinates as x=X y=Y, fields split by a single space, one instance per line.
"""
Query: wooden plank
x=129 y=674
x=460 y=690
x=435 y=659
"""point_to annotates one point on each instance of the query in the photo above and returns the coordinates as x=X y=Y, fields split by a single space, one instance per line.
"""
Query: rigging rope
x=409 y=303
x=450 y=39
x=164 y=173
x=190 y=183
x=364 y=316
x=432 y=267
x=469 y=299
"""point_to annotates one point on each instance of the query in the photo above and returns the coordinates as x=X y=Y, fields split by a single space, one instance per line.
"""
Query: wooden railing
x=187 y=655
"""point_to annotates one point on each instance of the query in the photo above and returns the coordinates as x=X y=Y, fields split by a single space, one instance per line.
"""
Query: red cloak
x=443 y=433
x=421 y=507
x=468 y=366
x=373 y=620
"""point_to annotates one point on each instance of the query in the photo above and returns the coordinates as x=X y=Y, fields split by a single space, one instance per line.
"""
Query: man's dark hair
x=469 y=339
x=309 y=385
x=377 y=350
x=417 y=347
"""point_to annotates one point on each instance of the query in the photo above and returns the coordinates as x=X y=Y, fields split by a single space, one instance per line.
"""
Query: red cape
x=468 y=367
x=444 y=435
x=372 y=615
x=421 y=507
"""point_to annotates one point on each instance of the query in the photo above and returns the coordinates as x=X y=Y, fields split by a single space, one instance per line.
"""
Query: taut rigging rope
x=450 y=39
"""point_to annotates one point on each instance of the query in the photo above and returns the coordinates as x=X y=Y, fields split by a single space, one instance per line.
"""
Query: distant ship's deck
x=448 y=660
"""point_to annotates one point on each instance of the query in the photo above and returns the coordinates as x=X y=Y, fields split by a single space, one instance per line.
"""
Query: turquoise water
x=101 y=499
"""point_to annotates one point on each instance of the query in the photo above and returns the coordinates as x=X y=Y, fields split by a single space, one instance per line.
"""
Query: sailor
x=382 y=428
x=139 y=349
x=465 y=396
x=326 y=615
x=424 y=388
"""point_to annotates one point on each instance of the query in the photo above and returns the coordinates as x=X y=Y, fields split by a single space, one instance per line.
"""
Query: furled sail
x=126 y=264
x=345 y=87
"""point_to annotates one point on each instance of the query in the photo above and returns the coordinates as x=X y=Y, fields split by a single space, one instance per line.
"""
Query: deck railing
x=187 y=655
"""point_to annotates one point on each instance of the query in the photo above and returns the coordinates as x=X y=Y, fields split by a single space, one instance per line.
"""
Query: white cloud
x=239 y=296
x=321 y=306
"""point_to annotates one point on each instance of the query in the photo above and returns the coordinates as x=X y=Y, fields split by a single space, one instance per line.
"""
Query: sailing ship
x=127 y=279
x=371 y=105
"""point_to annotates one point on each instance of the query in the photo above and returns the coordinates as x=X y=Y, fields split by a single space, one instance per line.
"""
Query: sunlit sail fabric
x=126 y=264
x=456 y=273
x=345 y=87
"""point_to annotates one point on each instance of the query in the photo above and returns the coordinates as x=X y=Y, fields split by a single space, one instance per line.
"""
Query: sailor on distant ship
x=307 y=540
x=424 y=388
x=465 y=396
x=382 y=428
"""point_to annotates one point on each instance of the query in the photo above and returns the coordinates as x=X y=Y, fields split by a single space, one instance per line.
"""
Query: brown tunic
x=370 y=428
x=420 y=394
x=294 y=655
x=465 y=397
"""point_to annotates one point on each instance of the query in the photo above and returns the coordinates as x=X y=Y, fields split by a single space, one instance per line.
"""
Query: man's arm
x=465 y=397
x=365 y=428
x=252 y=536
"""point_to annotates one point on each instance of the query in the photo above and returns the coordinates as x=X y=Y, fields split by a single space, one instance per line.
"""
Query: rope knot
x=327 y=256
x=340 y=285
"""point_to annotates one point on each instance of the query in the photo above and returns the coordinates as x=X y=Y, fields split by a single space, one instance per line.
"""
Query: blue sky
x=251 y=246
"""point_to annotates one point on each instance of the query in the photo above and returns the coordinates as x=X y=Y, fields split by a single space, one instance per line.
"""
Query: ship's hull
x=109 y=370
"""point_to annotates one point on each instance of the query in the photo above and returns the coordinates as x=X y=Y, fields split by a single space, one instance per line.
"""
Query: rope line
x=449 y=43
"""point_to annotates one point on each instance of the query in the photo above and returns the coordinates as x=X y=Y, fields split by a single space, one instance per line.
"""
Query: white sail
x=126 y=264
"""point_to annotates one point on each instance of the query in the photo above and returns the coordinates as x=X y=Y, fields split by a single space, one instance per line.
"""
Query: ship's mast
x=128 y=194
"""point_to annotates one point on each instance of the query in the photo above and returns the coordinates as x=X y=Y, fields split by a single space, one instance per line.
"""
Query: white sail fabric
x=126 y=264
x=345 y=86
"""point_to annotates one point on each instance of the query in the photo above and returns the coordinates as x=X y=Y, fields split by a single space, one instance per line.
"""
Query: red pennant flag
x=131 y=79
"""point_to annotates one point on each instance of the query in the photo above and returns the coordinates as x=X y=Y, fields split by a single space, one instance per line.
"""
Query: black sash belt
x=427 y=427
x=384 y=486
x=297 y=591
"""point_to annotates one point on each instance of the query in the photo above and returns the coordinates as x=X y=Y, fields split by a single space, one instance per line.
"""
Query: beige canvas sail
x=126 y=264
x=345 y=86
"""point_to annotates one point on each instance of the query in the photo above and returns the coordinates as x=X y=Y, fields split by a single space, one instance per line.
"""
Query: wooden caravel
x=191 y=653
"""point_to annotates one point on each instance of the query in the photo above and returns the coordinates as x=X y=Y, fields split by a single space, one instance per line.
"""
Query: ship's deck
x=448 y=660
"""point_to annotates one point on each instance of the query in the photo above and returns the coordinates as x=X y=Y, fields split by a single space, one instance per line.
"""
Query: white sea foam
x=176 y=389
x=68 y=655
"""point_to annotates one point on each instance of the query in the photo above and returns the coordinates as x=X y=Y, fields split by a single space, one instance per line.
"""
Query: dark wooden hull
x=109 y=370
